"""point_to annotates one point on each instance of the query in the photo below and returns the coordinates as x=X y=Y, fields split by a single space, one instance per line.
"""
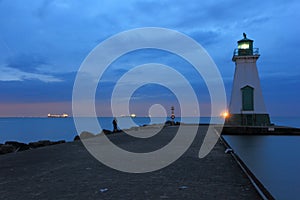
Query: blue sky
x=43 y=44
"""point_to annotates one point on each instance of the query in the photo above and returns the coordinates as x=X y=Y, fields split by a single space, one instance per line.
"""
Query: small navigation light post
x=172 y=114
x=247 y=105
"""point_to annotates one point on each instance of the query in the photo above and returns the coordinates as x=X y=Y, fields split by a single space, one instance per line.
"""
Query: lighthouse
x=247 y=107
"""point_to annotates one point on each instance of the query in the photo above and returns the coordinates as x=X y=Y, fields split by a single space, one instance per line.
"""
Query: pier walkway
x=68 y=171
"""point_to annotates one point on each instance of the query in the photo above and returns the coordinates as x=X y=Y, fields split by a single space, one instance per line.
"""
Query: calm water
x=274 y=160
x=34 y=129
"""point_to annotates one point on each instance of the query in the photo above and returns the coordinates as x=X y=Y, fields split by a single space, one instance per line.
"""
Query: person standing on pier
x=115 y=125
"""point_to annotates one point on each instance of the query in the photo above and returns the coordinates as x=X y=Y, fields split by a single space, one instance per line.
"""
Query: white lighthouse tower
x=247 y=105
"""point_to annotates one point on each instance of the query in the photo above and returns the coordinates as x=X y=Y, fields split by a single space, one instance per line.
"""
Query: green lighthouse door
x=247 y=98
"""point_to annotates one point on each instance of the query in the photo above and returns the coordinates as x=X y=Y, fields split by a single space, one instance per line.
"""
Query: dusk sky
x=43 y=44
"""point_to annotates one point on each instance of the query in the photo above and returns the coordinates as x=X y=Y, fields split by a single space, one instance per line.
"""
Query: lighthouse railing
x=246 y=52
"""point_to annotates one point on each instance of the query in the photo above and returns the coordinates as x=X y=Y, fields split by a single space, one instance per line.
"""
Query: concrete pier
x=68 y=171
x=259 y=130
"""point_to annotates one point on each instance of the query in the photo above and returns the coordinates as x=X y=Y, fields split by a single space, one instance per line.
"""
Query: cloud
x=26 y=62
x=12 y=74
x=37 y=90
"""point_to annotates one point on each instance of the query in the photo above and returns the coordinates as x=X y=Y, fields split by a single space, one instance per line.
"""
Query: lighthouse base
x=248 y=120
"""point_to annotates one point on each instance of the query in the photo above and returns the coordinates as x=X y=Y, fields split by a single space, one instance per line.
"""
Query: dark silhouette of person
x=115 y=124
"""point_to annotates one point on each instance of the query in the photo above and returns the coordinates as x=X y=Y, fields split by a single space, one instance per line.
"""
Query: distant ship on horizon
x=64 y=115
x=131 y=115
